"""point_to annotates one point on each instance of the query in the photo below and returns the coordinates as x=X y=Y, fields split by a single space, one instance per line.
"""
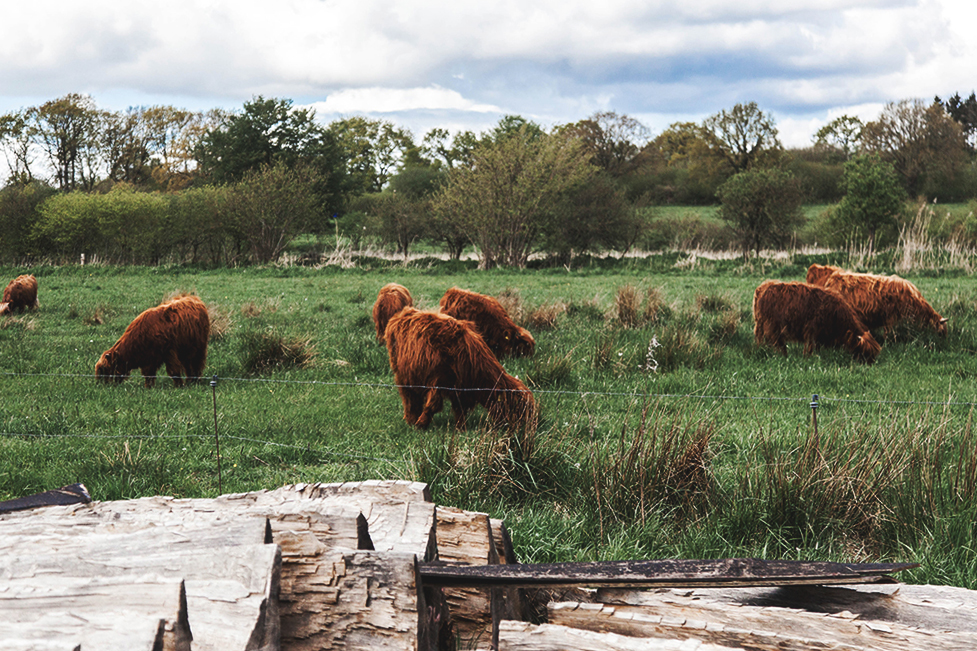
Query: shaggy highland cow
x=391 y=299
x=19 y=295
x=501 y=334
x=434 y=356
x=881 y=301
x=174 y=333
x=811 y=314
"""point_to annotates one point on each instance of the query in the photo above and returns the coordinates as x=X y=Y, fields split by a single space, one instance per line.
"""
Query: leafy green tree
x=67 y=131
x=743 y=137
x=613 y=141
x=125 y=143
x=923 y=143
x=396 y=217
x=269 y=132
x=19 y=204
x=873 y=200
x=373 y=149
x=964 y=111
x=763 y=207
x=272 y=204
x=16 y=139
x=443 y=151
x=521 y=187
x=842 y=134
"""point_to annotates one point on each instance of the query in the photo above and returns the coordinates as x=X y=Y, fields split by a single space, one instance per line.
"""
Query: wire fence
x=808 y=403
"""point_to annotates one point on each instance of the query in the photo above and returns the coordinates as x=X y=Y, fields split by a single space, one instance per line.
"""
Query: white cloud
x=550 y=60
x=388 y=100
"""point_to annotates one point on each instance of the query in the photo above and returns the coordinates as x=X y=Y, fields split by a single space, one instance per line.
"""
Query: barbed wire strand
x=388 y=385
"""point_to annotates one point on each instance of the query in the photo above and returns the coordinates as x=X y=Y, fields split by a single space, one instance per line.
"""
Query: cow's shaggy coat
x=501 y=334
x=881 y=301
x=434 y=356
x=19 y=295
x=174 y=333
x=814 y=315
x=391 y=299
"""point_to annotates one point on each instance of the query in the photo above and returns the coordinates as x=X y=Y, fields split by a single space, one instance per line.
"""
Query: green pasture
x=713 y=454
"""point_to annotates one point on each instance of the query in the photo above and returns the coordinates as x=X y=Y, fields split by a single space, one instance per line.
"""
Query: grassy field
x=665 y=431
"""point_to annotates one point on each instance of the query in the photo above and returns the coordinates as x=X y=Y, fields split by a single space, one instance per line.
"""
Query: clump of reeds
x=662 y=464
x=544 y=317
x=632 y=310
x=220 y=321
x=264 y=351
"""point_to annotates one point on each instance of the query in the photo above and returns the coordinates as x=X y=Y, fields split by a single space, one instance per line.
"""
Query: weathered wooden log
x=751 y=627
x=514 y=601
x=931 y=607
x=73 y=494
x=466 y=539
x=141 y=613
x=521 y=636
x=400 y=514
x=66 y=534
x=374 y=603
x=231 y=592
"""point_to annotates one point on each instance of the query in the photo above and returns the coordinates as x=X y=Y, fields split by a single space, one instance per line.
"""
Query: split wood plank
x=231 y=592
x=375 y=604
x=144 y=613
x=521 y=636
x=669 y=573
x=932 y=607
x=400 y=514
x=66 y=534
x=751 y=627
x=465 y=539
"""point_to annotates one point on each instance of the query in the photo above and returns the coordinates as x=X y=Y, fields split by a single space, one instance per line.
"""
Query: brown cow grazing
x=881 y=301
x=174 y=333
x=811 y=314
x=501 y=334
x=391 y=299
x=20 y=294
x=434 y=356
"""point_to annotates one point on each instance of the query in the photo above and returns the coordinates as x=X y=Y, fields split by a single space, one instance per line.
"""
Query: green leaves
x=763 y=207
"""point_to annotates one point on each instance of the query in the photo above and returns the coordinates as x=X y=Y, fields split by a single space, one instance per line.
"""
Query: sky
x=463 y=65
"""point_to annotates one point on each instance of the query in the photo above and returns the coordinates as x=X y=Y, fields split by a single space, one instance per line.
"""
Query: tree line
x=155 y=184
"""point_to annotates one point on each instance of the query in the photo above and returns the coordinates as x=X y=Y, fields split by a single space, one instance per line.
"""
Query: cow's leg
x=149 y=376
x=432 y=405
x=458 y=409
x=174 y=368
x=412 y=405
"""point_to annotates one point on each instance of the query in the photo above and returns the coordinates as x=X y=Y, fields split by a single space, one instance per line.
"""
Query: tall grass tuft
x=544 y=317
x=220 y=321
x=518 y=464
x=662 y=465
x=511 y=301
x=553 y=371
x=627 y=306
x=265 y=351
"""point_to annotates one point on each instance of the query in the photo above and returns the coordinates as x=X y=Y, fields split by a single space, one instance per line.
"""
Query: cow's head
x=107 y=368
x=817 y=273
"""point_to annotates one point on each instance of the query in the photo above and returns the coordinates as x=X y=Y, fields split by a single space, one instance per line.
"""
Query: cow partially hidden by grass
x=881 y=301
x=495 y=325
x=816 y=316
x=391 y=299
x=434 y=356
x=19 y=295
x=174 y=333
